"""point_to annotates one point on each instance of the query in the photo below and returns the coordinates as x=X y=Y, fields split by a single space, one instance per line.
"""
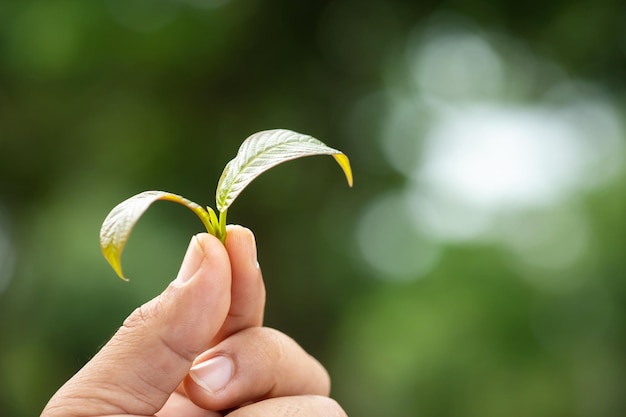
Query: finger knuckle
x=143 y=315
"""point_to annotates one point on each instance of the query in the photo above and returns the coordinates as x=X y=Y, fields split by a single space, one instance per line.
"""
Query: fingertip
x=207 y=241
x=202 y=247
x=191 y=262
x=240 y=239
x=238 y=233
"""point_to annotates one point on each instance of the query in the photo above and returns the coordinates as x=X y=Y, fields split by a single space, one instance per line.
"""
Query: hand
x=198 y=348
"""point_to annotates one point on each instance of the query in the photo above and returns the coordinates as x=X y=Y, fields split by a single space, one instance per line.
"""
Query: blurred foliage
x=103 y=99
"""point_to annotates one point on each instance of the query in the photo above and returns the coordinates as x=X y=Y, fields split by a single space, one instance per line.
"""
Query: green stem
x=204 y=217
x=196 y=208
x=222 y=226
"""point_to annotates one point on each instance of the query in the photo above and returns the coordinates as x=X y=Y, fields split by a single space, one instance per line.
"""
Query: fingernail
x=191 y=262
x=214 y=374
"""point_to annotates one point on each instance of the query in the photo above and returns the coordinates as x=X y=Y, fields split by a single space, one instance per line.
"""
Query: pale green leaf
x=118 y=224
x=264 y=150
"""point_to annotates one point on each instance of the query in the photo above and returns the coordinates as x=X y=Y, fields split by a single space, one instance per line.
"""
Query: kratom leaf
x=264 y=150
x=118 y=224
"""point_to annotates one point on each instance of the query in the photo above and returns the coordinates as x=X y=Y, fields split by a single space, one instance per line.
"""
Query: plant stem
x=196 y=208
x=222 y=227
x=204 y=217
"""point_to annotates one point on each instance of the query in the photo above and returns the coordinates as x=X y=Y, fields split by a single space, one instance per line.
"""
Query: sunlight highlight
x=488 y=154
x=498 y=157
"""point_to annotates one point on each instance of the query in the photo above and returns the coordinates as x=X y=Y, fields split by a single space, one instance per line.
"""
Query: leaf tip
x=113 y=257
x=119 y=273
x=120 y=221
x=344 y=163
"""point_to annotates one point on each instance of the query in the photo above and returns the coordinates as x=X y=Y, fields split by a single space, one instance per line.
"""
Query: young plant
x=257 y=154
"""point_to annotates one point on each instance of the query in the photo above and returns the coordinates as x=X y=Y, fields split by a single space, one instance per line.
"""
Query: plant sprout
x=257 y=154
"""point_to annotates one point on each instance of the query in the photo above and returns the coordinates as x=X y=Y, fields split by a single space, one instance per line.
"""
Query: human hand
x=199 y=348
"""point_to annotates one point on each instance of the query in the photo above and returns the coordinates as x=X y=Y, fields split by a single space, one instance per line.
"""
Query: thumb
x=138 y=369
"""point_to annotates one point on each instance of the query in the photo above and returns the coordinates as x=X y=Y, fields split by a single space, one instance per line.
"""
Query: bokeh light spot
x=497 y=156
x=391 y=243
x=546 y=241
x=455 y=65
x=481 y=156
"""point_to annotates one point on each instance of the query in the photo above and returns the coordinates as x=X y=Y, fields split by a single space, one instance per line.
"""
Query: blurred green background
x=478 y=266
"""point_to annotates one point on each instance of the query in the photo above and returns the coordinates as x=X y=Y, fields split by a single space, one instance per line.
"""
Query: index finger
x=247 y=287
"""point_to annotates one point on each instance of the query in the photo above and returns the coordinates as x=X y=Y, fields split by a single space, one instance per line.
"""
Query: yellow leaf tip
x=344 y=163
x=118 y=271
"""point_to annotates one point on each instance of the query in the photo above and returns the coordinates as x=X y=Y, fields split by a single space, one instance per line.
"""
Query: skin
x=213 y=309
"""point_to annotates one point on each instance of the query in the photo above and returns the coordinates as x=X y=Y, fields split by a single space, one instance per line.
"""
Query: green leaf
x=264 y=150
x=118 y=224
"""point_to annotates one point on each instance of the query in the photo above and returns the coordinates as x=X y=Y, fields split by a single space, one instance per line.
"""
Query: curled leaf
x=120 y=221
x=264 y=150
